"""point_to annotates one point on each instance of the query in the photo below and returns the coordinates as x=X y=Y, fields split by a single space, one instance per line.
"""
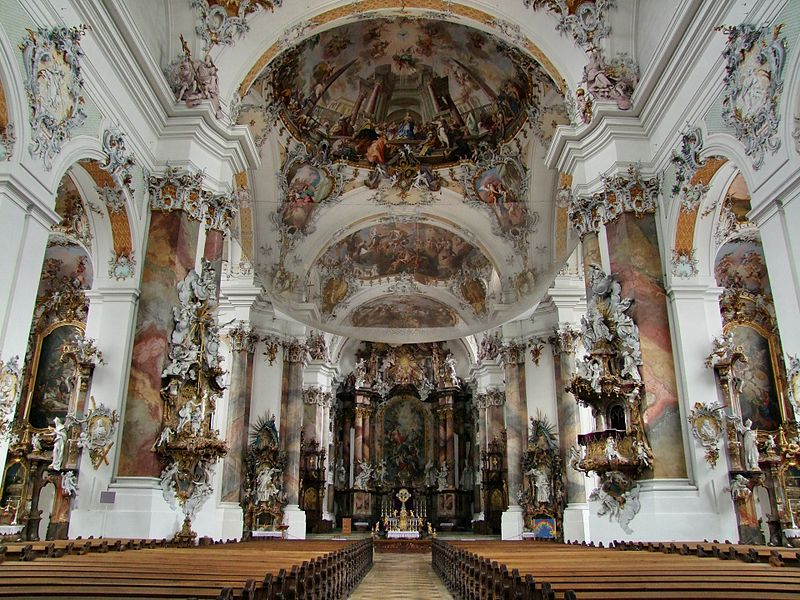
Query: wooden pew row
x=53 y=549
x=506 y=570
x=255 y=570
x=725 y=551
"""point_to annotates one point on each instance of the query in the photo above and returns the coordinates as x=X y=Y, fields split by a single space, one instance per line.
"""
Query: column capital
x=512 y=353
x=491 y=397
x=629 y=192
x=316 y=395
x=294 y=351
x=180 y=189
x=564 y=339
x=242 y=338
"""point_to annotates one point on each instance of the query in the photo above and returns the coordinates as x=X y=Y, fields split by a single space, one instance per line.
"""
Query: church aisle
x=407 y=576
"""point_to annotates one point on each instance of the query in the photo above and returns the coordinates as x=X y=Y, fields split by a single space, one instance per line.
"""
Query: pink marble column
x=516 y=417
x=450 y=437
x=442 y=433
x=291 y=417
x=636 y=260
x=359 y=440
x=233 y=468
x=367 y=434
x=171 y=250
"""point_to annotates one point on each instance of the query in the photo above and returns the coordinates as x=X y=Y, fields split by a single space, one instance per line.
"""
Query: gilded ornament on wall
x=54 y=84
x=97 y=432
x=707 y=422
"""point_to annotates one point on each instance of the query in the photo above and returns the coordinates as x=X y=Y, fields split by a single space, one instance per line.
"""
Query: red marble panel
x=171 y=248
x=635 y=258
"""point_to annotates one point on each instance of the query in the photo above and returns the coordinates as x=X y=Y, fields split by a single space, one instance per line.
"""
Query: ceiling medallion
x=755 y=58
x=54 y=85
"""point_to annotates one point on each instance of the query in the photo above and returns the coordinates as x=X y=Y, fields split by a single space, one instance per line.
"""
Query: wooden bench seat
x=256 y=570
x=543 y=570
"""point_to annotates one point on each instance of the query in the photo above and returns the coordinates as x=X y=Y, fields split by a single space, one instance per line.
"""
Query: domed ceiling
x=403 y=194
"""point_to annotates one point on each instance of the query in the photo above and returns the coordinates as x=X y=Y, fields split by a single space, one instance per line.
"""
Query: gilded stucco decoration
x=178 y=189
x=708 y=424
x=684 y=263
x=119 y=160
x=585 y=20
x=754 y=57
x=188 y=446
x=687 y=162
x=225 y=21
x=121 y=266
x=631 y=192
x=97 y=432
x=9 y=394
x=54 y=85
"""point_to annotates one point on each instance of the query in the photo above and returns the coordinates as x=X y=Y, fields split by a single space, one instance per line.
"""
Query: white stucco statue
x=750 y=446
x=59 y=442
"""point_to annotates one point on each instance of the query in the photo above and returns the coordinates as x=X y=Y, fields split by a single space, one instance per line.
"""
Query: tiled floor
x=406 y=576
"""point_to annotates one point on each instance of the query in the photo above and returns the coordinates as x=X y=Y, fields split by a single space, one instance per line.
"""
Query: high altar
x=405 y=442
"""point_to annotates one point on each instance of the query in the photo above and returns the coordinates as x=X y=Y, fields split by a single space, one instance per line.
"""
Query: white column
x=24 y=228
x=780 y=238
x=706 y=510
x=111 y=319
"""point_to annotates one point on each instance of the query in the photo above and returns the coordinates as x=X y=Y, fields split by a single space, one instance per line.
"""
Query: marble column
x=569 y=424
x=636 y=260
x=367 y=436
x=513 y=355
x=243 y=343
x=171 y=251
x=450 y=446
x=359 y=440
x=442 y=418
x=516 y=417
x=291 y=418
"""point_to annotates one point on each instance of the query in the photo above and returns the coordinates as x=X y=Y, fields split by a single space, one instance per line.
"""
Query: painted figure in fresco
x=59 y=443
x=406 y=129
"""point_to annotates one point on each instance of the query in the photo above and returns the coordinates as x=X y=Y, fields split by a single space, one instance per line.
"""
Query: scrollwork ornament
x=119 y=160
x=121 y=266
x=755 y=57
x=9 y=394
x=684 y=263
x=97 y=432
x=586 y=21
x=8 y=138
x=225 y=21
x=113 y=198
x=54 y=85
x=708 y=424
x=793 y=377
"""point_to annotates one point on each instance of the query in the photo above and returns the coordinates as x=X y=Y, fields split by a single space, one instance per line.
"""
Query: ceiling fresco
x=377 y=86
x=426 y=252
x=397 y=188
x=408 y=312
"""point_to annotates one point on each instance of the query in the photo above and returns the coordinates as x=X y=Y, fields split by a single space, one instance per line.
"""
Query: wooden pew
x=513 y=570
x=253 y=570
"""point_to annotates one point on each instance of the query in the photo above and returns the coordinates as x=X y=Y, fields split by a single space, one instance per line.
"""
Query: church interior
x=490 y=293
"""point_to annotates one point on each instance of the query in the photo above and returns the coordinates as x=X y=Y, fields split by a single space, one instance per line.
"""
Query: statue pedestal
x=295 y=521
x=512 y=524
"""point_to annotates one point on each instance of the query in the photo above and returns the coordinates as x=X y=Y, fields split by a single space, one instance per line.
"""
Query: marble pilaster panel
x=171 y=251
x=635 y=259
x=238 y=425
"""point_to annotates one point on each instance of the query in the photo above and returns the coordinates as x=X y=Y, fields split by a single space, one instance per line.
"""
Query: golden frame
x=74 y=399
x=427 y=416
x=773 y=342
x=23 y=499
